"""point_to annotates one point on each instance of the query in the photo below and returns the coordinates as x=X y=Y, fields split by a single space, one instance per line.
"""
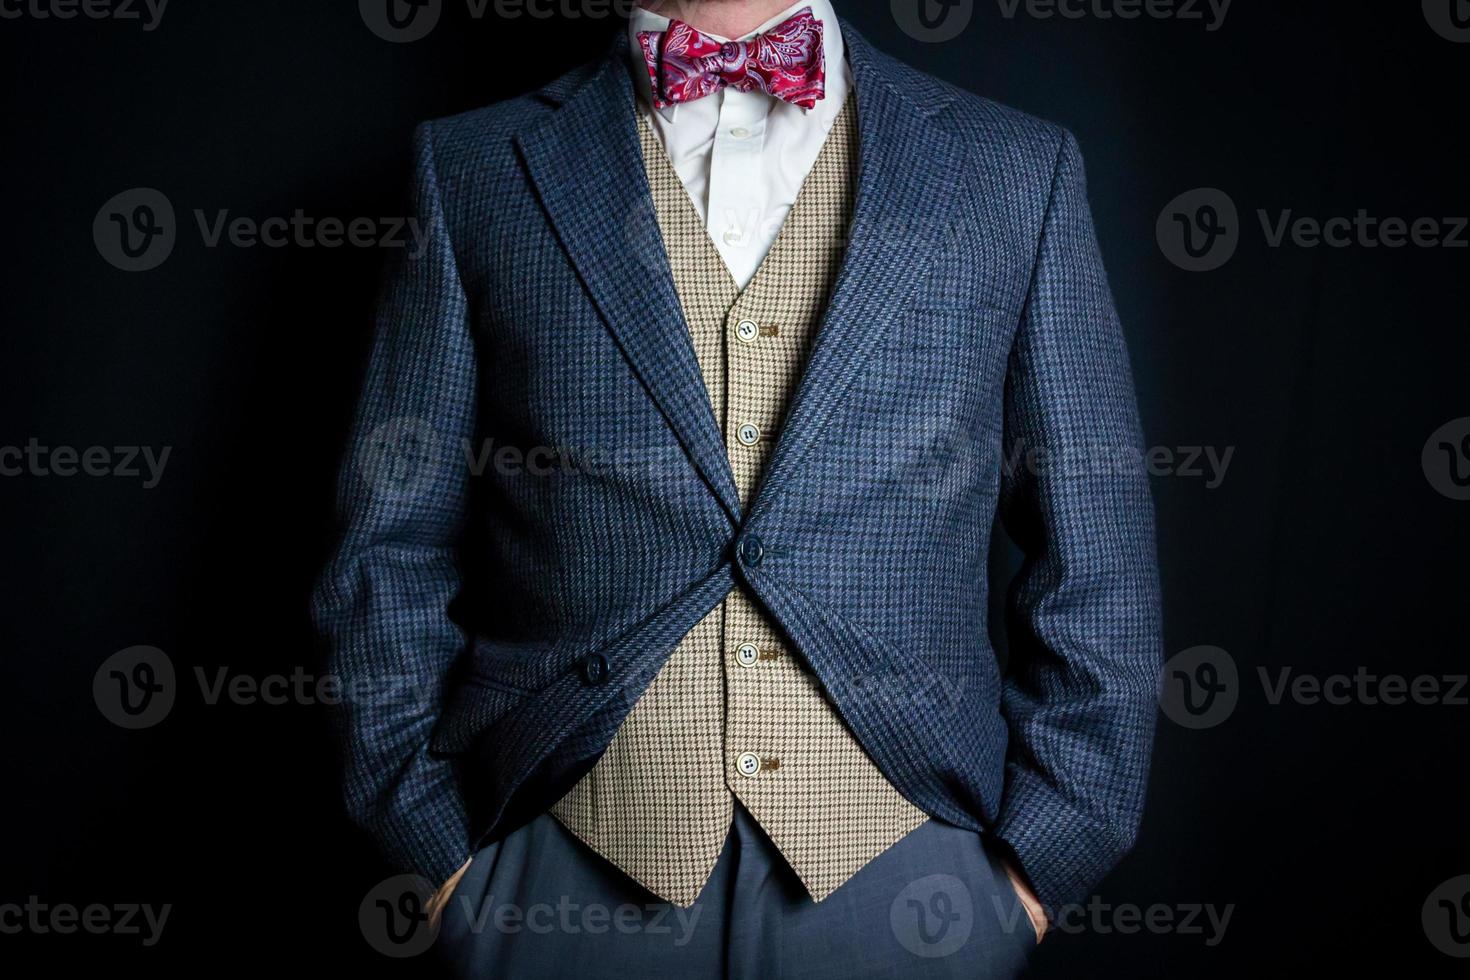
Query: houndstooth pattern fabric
x=495 y=624
x=658 y=803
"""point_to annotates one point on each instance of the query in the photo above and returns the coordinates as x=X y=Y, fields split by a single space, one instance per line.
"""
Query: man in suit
x=726 y=354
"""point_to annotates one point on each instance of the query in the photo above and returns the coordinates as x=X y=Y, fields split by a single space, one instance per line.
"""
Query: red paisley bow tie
x=786 y=62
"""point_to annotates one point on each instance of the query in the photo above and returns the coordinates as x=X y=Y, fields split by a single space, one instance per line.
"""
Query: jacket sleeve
x=382 y=602
x=1083 y=613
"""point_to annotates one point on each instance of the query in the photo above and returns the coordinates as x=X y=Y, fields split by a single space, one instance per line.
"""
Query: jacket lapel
x=587 y=165
x=907 y=169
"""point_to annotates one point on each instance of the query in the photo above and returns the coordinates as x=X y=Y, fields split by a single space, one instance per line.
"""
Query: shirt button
x=748 y=435
x=740 y=133
x=732 y=236
x=747 y=655
x=749 y=764
x=748 y=331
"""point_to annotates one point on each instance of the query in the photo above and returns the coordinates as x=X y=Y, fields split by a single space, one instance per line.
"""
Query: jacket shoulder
x=481 y=137
x=977 y=120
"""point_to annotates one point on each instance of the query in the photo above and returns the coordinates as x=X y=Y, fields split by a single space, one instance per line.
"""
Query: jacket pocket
x=516 y=667
x=502 y=676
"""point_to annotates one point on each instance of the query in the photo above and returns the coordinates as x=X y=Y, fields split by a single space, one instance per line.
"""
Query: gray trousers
x=541 y=904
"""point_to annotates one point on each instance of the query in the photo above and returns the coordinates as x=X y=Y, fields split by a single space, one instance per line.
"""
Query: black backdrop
x=1328 y=547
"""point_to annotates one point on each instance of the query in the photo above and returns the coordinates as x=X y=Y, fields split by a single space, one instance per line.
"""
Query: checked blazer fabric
x=538 y=504
x=658 y=804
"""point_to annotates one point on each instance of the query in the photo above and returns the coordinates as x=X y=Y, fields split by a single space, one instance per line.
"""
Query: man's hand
x=440 y=900
x=1029 y=901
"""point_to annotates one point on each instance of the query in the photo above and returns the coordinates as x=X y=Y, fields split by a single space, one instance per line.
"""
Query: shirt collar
x=643 y=19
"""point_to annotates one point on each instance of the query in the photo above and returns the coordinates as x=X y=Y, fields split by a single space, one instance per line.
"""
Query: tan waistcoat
x=734 y=713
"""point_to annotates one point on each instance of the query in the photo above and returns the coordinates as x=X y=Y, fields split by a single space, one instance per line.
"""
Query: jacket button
x=595 y=670
x=752 y=551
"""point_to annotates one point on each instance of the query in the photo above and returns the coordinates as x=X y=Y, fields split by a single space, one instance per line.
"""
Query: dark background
x=1325 y=549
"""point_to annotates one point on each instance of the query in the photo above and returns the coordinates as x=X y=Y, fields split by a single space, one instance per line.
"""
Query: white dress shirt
x=743 y=156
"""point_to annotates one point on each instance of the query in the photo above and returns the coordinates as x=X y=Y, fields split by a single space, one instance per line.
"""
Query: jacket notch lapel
x=587 y=167
x=907 y=170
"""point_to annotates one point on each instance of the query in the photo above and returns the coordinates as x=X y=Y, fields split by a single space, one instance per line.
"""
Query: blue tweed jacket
x=535 y=448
